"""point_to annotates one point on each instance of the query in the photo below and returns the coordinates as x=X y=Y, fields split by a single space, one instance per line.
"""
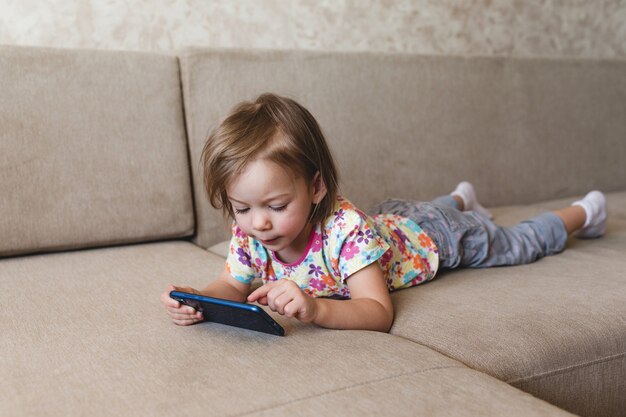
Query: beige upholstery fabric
x=92 y=150
x=555 y=328
x=84 y=333
x=413 y=126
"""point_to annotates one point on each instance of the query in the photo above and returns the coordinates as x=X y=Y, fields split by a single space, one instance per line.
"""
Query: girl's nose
x=261 y=221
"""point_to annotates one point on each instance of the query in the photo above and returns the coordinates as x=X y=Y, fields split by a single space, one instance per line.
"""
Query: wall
x=580 y=28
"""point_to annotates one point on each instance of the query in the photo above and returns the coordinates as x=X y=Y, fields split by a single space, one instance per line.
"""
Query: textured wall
x=582 y=28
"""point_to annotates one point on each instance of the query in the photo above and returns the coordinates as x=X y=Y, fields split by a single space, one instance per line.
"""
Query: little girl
x=320 y=258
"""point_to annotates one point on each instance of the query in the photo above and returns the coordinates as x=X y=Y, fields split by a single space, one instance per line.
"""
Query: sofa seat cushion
x=84 y=333
x=555 y=328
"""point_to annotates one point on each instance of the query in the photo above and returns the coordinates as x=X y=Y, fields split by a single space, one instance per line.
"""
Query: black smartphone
x=231 y=313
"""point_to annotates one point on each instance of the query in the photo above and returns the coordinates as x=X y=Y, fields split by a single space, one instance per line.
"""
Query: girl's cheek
x=243 y=225
x=291 y=224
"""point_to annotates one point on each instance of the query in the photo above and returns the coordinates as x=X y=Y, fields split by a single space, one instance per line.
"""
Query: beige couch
x=101 y=206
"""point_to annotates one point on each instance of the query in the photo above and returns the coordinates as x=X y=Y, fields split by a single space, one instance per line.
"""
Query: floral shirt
x=344 y=243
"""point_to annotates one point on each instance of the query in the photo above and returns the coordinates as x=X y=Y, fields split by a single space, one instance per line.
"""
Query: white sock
x=595 y=207
x=466 y=192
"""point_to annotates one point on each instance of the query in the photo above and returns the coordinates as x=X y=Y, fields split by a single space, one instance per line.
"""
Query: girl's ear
x=319 y=188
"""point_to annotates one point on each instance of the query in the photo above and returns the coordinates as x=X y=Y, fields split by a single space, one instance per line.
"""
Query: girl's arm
x=369 y=308
x=225 y=287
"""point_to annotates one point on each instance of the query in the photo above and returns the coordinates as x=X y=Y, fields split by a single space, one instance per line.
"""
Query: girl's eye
x=279 y=208
x=241 y=211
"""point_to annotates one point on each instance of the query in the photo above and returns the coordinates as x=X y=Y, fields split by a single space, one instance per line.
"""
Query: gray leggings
x=472 y=240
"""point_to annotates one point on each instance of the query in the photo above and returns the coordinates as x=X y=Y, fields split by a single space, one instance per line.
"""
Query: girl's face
x=273 y=206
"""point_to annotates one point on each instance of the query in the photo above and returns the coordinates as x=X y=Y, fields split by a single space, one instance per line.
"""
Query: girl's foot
x=465 y=191
x=595 y=207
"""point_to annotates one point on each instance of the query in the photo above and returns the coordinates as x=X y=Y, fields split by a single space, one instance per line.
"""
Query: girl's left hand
x=286 y=298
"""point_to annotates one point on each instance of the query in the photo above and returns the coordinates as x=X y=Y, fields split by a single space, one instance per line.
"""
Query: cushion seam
x=527 y=378
x=434 y=349
x=345 y=388
x=566 y=369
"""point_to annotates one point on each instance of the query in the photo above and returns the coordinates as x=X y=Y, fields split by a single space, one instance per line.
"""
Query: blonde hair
x=276 y=129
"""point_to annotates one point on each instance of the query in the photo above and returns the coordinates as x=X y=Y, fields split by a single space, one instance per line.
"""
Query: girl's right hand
x=180 y=314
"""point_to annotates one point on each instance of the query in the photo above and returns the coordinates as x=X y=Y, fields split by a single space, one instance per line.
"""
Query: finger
x=261 y=292
x=262 y=301
x=169 y=301
x=179 y=314
x=274 y=294
x=172 y=287
x=181 y=317
x=281 y=301
x=174 y=315
x=186 y=322
x=182 y=310
x=271 y=297
x=291 y=309
x=189 y=290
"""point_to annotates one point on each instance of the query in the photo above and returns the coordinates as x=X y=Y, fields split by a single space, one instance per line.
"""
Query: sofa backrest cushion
x=92 y=150
x=522 y=130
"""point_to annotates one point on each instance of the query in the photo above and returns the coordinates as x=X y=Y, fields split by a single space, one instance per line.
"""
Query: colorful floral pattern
x=345 y=243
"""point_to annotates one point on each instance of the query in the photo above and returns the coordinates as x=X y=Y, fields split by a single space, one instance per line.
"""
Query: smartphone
x=231 y=313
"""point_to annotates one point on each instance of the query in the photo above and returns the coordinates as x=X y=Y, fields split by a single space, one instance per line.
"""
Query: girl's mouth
x=269 y=242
